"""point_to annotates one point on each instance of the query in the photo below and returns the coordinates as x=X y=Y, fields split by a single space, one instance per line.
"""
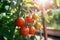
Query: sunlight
x=43 y=2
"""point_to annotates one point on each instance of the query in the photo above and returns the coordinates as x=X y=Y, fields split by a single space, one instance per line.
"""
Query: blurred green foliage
x=54 y=19
x=10 y=9
x=8 y=13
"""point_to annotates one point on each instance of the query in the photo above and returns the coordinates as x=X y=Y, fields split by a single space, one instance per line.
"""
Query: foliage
x=9 y=10
x=55 y=21
x=7 y=16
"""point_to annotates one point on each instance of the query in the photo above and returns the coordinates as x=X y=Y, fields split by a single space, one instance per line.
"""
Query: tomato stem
x=40 y=35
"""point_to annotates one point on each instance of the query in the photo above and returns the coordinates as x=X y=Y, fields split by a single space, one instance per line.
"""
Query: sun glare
x=43 y=2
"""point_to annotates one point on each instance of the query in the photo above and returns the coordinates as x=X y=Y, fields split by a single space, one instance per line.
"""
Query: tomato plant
x=24 y=31
x=9 y=12
x=19 y=22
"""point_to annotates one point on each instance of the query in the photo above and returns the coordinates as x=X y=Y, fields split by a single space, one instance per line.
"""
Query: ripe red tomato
x=19 y=21
x=28 y=18
x=31 y=30
x=24 y=31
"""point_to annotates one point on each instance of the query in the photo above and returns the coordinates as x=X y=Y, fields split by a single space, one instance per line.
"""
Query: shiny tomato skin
x=31 y=30
x=28 y=18
x=19 y=21
x=34 y=16
x=38 y=25
x=24 y=31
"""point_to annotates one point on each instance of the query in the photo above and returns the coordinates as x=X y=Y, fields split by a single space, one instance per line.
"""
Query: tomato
x=31 y=30
x=28 y=18
x=24 y=31
x=34 y=16
x=38 y=25
x=19 y=21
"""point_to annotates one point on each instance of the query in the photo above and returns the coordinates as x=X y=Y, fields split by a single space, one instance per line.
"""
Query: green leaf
x=33 y=37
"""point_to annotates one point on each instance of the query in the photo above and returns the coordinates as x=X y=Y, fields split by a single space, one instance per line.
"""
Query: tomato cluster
x=28 y=30
x=21 y=23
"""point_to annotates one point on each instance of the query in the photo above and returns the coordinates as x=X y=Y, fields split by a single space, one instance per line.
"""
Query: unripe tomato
x=31 y=30
x=24 y=31
x=19 y=21
x=28 y=18
x=34 y=16
x=37 y=25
